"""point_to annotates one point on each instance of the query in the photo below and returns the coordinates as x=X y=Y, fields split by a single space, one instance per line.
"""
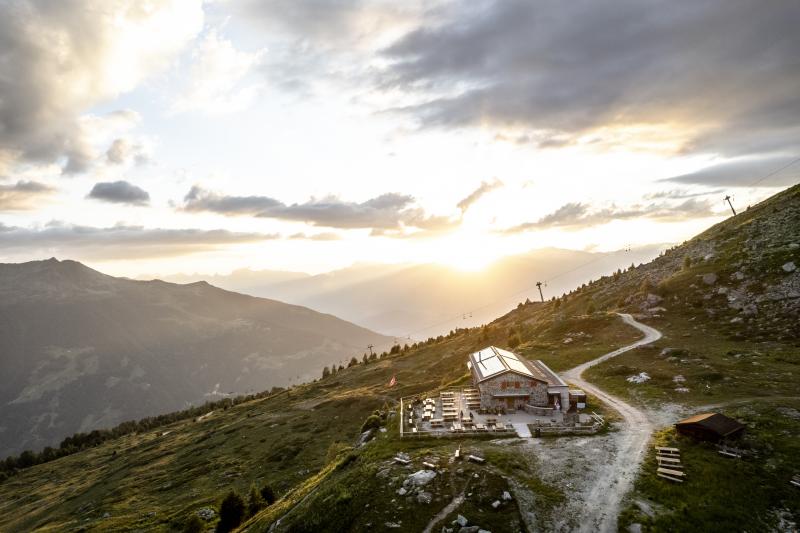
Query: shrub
x=687 y=263
x=591 y=308
x=267 y=494
x=513 y=341
x=231 y=512
x=255 y=502
x=372 y=422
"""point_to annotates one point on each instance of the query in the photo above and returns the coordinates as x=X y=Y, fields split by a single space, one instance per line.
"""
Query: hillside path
x=614 y=481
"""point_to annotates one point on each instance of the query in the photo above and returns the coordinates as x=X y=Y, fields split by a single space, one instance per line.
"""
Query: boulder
x=364 y=438
x=402 y=491
x=506 y=495
x=496 y=504
x=789 y=267
x=206 y=513
x=710 y=278
x=639 y=378
x=424 y=497
x=461 y=520
x=419 y=478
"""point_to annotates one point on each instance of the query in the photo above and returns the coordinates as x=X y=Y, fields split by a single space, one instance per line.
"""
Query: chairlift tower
x=728 y=199
x=539 y=286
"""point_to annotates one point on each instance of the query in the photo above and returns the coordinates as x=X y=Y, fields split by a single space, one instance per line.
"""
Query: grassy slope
x=155 y=480
x=284 y=440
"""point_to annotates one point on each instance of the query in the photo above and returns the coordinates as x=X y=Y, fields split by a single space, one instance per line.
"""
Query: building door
x=510 y=403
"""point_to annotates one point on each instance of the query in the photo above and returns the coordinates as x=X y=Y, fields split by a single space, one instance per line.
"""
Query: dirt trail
x=441 y=515
x=611 y=483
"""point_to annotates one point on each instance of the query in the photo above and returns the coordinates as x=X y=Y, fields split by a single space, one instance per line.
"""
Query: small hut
x=710 y=426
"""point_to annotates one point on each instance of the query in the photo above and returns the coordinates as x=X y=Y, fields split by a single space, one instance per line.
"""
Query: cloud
x=484 y=189
x=390 y=211
x=23 y=195
x=119 y=192
x=61 y=58
x=701 y=71
x=122 y=151
x=577 y=215
x=764 y=172
x=217 y=80
x=679 y=194
x=325 y=236
x=118 y=242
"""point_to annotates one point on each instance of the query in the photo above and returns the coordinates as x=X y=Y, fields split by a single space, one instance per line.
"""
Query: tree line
x=82 y=441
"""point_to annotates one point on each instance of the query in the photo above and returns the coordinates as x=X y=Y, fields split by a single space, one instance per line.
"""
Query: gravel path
x=609 y=484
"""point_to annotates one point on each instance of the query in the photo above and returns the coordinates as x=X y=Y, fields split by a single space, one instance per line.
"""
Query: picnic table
x=480 y=427
x=437 y=422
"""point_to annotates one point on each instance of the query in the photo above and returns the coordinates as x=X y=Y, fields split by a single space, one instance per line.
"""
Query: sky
x=166 y=136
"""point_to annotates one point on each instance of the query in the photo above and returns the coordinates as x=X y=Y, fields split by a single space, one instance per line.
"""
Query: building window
x=503 y=385
x=516 y=384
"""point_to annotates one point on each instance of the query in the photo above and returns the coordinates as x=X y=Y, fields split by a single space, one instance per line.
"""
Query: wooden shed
x=710 y=426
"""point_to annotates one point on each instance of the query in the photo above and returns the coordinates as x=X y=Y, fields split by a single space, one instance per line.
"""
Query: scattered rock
x=639 y=378
x=206 y=513
x=424 y=497
x=392 y=525
x=461 y=521
x=789 y=267
x=496 y=504
x=710 y=278
x=506 y=495
x=635 y=528
x=364 y=438
x=402 y=491
x=681 y=389
x=679 y=379
x=469 y=529
x=106 y=515
x=419 y=478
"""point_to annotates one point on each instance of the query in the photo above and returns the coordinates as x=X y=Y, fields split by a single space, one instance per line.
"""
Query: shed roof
x=493 y=361
x=714 y=422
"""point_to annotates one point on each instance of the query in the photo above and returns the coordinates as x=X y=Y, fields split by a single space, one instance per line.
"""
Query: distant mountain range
x=81 y=350
x=429 y=299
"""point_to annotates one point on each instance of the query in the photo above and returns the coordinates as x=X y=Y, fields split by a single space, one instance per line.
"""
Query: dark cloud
x=728 y=69
x=763 y=172
x=23 y=195
x=117 y=242
x=390 y=211
x=576 y=215
x=199 y=199
x=119 y=192
x=485 y=188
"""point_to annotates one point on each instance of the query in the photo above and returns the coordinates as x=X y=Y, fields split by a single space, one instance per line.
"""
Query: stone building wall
x=536 y=390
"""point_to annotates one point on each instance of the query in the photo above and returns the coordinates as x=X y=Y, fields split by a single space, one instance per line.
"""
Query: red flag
x=393 y=381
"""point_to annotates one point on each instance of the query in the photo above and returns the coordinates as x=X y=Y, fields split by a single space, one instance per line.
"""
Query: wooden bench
x=668 y=460
x=402 y=461
x=476 y=459
x=429 y=465
x=676 y=479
